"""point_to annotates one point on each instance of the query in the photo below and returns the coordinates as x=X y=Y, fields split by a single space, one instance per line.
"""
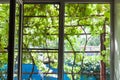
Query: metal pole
x=20 y=46
x=61 y=42
x=11 y=40
x=103 y=47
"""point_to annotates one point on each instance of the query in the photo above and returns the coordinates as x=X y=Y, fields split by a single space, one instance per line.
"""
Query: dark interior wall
x=117 y=41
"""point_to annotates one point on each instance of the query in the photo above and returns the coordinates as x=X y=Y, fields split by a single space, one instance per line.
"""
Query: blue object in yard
x=66 y=77
x=54 y=70
x=83 y=77
x=27 y=68
x=50 y=78
x=92 y=78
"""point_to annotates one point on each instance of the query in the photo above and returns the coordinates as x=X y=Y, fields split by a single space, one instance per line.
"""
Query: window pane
x=40 y=40
x=4 y=19
x=86 y=26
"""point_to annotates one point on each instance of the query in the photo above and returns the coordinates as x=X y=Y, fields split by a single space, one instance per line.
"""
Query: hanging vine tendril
x=33 y=61
x=86 y=41
x=73 y=58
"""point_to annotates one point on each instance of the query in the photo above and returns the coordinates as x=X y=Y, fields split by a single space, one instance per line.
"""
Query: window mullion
x=61 y=41
x=11 y=40
x=20 y=45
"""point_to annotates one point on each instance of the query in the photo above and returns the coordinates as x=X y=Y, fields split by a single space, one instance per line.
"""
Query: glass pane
x=86 y=26
x=40 y=41
x=4 y=24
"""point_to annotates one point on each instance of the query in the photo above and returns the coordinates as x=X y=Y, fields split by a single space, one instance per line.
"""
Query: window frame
x=61 y=31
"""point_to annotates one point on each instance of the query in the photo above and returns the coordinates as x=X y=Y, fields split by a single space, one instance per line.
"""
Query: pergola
x=61 y=32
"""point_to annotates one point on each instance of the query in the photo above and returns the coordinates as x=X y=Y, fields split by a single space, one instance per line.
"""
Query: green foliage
x=4 y=18
x=83 y=26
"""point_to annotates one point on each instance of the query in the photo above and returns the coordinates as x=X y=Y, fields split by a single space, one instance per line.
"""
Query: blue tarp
x=27 y=68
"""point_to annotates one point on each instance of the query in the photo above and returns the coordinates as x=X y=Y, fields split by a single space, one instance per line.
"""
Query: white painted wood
x=117 y=41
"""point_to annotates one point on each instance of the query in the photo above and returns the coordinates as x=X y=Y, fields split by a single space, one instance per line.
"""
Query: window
x=57 y=38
